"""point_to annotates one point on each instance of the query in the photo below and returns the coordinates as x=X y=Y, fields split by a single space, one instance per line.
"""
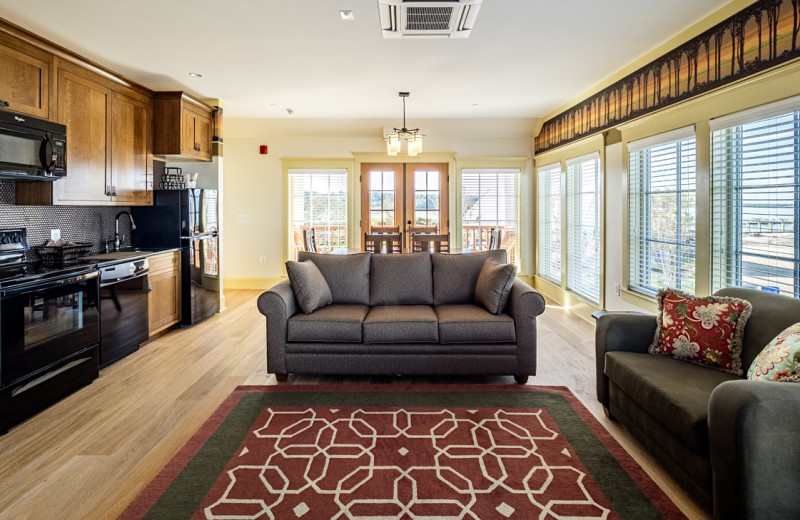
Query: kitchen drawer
x=165 y=261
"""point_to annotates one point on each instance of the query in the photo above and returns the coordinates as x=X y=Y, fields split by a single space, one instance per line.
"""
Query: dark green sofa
x=412 y=314
x=732 y=444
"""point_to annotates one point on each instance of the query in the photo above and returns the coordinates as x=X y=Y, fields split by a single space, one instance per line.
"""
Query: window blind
x=549 y=223
x=756 y=200
x=490 y=199
x=662 y=182
x=318 y=201
x=583 y=227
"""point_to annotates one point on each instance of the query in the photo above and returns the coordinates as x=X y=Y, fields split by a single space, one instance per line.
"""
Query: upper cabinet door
x=202 y=134
x=188 y=143
x=24 y=82
x=131 y=161
x=84 y=107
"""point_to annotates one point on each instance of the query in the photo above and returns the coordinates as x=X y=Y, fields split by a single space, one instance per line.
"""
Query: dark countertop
x=127 y=255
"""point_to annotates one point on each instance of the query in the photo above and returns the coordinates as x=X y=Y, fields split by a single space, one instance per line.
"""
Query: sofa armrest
x=278 y=305
x=619 y=331
x=755 y=449
x=525 y=303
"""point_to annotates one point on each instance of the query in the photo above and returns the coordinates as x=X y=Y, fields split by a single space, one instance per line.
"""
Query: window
x=583 y=227
x=318 y=200
x=549 y=223
x=661 y=209
x=490 y=199
x=756 y=199
x=381 y=198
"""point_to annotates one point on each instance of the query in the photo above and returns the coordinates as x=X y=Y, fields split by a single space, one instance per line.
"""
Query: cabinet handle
x=3 y=103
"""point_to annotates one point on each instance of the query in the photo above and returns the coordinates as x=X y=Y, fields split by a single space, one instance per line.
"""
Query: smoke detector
x=428 y=18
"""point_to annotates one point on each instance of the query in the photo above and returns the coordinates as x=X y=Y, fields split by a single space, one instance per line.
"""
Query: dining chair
x=431 y=230
x=383 y=242
x=384 y=229
x=495 y=237
x=310 y=240
x=431 y=242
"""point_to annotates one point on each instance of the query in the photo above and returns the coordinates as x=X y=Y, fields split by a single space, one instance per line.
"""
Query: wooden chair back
x=310 y=240
x=383 y=242
x=384 y=229
x=495 y=237
x=432 y=243
x=431 y=230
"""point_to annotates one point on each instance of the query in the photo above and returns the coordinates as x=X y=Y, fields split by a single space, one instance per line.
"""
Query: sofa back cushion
x=771 y=315
x=455 y=275
x=347 y=275
x=404 y=279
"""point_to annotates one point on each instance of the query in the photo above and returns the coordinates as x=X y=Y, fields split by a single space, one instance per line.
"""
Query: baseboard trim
x=251 y=283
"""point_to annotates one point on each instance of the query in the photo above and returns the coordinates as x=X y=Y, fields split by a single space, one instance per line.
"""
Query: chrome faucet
x=117 y=241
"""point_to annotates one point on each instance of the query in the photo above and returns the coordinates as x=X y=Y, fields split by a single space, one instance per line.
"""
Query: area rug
x=378 y=452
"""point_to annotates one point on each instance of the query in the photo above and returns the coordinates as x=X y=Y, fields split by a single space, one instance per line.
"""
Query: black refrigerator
x=187 y=219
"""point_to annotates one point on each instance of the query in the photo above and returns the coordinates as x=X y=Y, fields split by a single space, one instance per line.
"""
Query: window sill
x=648 y=303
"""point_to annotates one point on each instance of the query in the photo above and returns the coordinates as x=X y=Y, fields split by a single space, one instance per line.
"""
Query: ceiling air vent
x=428 y=18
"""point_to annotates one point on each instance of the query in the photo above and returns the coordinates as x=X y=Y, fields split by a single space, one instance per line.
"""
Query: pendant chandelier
x=412 y=137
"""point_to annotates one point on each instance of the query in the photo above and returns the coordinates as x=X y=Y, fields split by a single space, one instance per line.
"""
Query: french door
x=404 y=195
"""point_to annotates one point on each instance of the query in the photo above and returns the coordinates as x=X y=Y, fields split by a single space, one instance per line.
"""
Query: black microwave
x=32 y=148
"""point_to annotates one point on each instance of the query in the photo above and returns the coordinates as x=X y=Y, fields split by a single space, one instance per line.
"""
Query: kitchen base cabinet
x=165 y=294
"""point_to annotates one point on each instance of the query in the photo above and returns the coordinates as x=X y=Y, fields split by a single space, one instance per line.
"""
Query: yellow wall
x=254 y=184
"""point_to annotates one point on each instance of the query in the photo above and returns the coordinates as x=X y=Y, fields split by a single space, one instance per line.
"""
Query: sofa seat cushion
x=333 y=324
x=674 y=393
x=401 y=324
x=471 y=323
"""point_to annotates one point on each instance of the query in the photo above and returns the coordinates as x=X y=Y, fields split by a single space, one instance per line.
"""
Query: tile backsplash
x=77 y=223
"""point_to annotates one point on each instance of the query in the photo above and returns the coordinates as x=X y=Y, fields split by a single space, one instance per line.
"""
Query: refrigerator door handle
x=201 y=236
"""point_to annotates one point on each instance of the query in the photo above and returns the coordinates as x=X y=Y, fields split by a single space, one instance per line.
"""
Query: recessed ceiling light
x=474 y=104
x=347 y=14
x=195 y=75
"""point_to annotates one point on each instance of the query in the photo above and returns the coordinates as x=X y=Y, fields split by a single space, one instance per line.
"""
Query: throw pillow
x=494 y=285
x=310 y=288
x=780 y=359
x=705 y=330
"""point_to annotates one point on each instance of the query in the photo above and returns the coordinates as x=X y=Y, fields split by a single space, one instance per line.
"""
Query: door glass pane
x=433 y=180
x=388 y=180
x=433 y=201
x=420 y=201
x=420 y=182
x=388 y=200
x=375 y=218
x=375 y=180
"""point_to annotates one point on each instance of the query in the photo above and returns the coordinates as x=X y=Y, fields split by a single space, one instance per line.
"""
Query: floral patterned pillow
x=706 y=330
x=780 y=360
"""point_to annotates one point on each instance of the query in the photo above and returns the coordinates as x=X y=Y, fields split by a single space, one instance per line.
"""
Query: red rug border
x=150 y=494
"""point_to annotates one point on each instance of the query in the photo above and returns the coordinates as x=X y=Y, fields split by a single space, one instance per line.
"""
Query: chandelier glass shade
x=412 y=137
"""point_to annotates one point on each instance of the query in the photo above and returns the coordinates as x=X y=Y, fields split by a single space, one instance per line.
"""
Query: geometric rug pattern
x=309 y=453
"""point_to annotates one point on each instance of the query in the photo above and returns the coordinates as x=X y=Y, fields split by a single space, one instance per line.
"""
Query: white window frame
x=661 y=165
x=579 y=264
x=490 y=177
x=338 y=239
x=549 y=239
x=730 y=227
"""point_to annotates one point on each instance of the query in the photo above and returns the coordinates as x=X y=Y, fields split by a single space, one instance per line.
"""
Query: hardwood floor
x=88 y=456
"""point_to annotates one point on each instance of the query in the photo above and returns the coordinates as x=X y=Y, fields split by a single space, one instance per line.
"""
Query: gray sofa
x=733 y=444
x=401 y=314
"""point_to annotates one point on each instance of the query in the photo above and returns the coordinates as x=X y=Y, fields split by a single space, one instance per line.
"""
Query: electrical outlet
x=55 y=235
x=617 y=288
x=241 y=219
x=263 y=259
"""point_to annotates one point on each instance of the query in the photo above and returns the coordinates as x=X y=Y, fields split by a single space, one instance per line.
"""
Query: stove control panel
x=13 y=240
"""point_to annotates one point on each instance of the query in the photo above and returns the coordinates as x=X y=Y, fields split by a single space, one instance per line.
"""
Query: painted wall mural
x=761 y=36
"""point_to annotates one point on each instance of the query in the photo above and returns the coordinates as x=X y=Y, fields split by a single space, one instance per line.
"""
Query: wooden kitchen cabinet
x=25 y=78
x=165 y=295
x=109 y=146
x=182 y=127
x=84 y=106
x=131 y=156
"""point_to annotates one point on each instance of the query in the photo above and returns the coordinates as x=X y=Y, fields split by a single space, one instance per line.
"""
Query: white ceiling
x=524 y=57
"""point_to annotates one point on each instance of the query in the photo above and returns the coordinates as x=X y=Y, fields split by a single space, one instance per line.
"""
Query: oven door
x=46 y=322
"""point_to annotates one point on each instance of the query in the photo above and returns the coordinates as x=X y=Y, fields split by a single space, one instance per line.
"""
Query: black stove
x=15 y=271
x=49 y=340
